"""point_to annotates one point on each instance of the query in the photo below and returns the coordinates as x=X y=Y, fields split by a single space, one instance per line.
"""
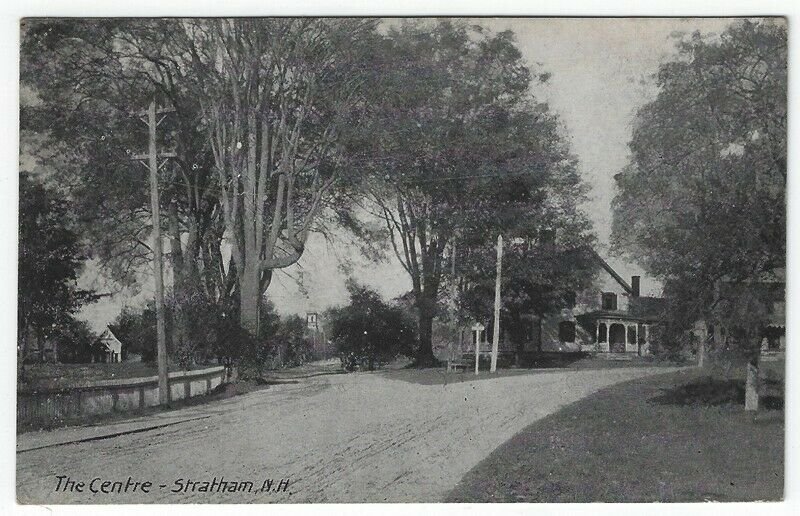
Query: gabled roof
x=613 y=273
x=107 y=333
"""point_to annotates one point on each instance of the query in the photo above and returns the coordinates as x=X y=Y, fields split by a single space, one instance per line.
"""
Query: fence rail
x=49 y=406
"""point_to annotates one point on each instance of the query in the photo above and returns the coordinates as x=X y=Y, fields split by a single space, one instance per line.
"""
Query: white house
x=610 y=316
x=111 y=346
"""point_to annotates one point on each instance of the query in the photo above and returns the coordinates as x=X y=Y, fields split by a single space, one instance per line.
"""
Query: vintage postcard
x=349 y=260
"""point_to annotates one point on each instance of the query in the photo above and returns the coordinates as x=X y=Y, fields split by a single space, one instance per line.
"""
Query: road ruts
x=343 y=438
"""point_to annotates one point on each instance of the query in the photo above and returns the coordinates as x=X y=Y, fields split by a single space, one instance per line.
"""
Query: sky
x=601 y=73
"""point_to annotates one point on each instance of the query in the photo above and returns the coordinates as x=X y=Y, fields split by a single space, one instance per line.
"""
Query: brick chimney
x=635 y=285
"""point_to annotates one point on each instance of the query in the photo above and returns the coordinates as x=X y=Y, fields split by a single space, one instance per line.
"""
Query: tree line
x=286 y=127
x=283 y=127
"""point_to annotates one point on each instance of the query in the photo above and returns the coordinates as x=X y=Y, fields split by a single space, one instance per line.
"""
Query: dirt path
x=344 y=438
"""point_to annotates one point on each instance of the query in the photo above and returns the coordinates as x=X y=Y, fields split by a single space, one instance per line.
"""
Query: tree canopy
x=279 y=127
x=50 y=260
x=703 y=198
x=463 y=151
x=262 y=110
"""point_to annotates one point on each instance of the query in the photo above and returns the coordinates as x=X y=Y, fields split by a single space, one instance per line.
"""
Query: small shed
x=110 y=346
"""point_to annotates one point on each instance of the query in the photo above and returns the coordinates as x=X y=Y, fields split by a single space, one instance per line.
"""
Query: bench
x=454 y=365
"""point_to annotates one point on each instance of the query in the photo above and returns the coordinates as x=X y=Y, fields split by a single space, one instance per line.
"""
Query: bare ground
x=344 y=438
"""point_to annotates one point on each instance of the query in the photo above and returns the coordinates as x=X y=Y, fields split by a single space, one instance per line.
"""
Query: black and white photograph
x=307 y=259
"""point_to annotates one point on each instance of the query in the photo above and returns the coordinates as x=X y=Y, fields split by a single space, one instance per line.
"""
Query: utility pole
x=496 y=328
x=454 y=290
x=153 y=165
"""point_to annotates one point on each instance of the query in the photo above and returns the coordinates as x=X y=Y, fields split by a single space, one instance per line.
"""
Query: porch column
x=597 y=332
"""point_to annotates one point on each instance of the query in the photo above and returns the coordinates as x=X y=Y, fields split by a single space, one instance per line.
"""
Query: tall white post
x=496 y=329
x=477 y=349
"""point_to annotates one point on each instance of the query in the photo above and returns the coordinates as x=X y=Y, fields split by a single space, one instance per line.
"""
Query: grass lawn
x=675 y=437
x=440 y=376
x=66 y=375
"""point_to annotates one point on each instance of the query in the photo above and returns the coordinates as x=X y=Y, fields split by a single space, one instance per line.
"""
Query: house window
x=566 y=331
x=602 y=332
x=609 y=301
x=569 y=299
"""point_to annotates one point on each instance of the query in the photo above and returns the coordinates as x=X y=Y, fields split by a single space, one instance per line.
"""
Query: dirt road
x=344 y=438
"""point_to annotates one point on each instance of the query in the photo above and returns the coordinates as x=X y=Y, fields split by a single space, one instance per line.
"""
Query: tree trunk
x=250 y=296
x=180 y=283
x=517 y=334
x=425 y=356
x=701 y=353
x=751 y=384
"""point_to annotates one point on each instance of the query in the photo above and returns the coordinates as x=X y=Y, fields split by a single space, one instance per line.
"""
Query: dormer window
x=609 y=301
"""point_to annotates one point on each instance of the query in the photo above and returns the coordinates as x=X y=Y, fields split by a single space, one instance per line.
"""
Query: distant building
x=108 y=348
x=315 y=332
x=312 y=321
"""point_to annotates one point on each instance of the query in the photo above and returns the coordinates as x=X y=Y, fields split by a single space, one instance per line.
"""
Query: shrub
x=369 y=332
x=136 y=329
x=296 y=348
x=75 y=340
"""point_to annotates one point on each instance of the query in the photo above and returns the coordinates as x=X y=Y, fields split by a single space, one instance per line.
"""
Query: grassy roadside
x=43 y=376
x=53 y=376
x=440 y=376
x=676 y=437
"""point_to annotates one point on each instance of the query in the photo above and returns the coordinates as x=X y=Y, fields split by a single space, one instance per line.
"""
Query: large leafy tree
x=262 y=113
x=86 y=82
x=50 y=260
x=279 y=97
x=462 y=149
x=703 y=198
